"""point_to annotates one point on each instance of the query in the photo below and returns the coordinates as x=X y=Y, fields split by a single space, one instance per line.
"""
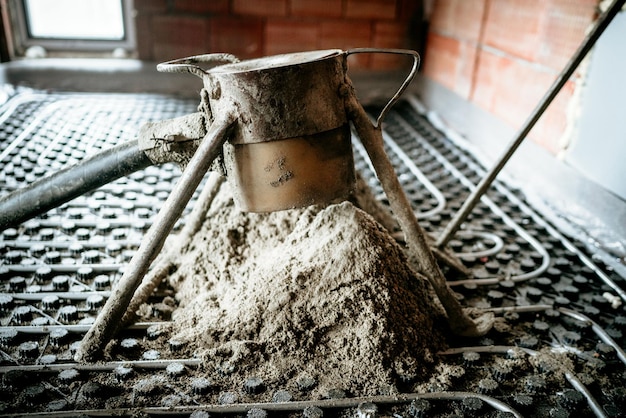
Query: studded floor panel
x=556 y=349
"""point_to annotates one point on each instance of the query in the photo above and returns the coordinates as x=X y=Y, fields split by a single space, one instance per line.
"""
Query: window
x=75 y=19
x=66 y=25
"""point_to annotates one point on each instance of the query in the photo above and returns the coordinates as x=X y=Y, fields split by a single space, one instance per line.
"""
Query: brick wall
x=504 y=54
x=169 y=29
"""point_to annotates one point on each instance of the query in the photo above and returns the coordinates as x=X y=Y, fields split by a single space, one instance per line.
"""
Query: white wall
x=598 y=149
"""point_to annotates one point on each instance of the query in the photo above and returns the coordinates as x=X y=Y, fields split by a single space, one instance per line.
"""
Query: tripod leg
x=193 y=224
x=372 y=140
x=110 y=317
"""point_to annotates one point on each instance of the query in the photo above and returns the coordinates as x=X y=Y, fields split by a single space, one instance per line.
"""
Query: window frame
x=23 y=39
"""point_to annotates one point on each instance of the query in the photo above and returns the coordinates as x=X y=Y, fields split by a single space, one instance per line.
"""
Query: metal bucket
x=291 y=145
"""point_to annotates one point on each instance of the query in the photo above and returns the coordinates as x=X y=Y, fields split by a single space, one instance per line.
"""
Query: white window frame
x=22 y=39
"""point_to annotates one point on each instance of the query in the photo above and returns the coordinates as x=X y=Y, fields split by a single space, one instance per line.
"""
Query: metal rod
x=281 y=408
x=546 y=100
x=408 y=79
x=193 y=223
x=73 y=328
x=104 y=366
x=419 y=250
x=71 y=182
x=110 y=317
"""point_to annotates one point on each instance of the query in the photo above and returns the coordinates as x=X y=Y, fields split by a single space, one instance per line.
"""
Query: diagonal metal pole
x=110 y=317
x=588 y=42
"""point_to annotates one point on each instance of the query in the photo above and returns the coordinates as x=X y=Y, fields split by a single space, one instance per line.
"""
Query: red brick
x=508 y=87
x=458 y=18
x=516 y=26
x=526 y=43
x=283 y=36
x=389 y=35
x=411 y=9
x=150 y=6
x=451 y=63
x=317 y=8
x=565 y=26
x=144 y=32
x=202 y=6
x=177 y=37
x=345 y=35
x=241 y=37
x=371 y=9
x=260 y=7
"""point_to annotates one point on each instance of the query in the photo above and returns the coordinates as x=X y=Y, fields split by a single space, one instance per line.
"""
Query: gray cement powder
x=321 y=294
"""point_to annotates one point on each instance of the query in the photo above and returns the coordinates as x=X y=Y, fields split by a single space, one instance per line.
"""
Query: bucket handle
x=188 y=64
x=405 y=84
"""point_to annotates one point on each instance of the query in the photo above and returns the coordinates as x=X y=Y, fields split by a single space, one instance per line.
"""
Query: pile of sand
x=315 y=293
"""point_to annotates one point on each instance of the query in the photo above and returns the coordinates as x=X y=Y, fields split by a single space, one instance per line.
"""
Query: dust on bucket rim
x=276 y=61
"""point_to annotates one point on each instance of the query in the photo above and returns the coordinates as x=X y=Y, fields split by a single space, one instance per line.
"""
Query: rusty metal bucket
x=291 y=145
